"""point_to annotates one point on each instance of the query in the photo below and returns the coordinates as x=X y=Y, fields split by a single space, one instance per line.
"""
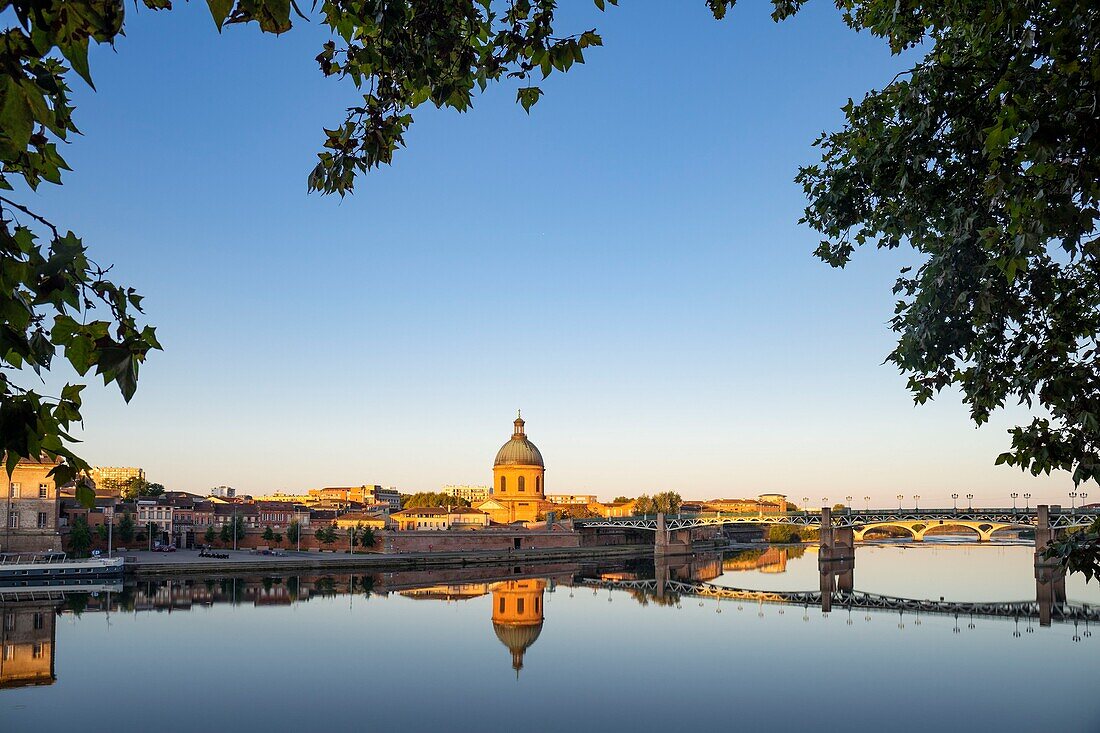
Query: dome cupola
x=519 y=451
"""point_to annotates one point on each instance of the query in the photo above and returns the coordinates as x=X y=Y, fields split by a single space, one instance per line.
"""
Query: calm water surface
x=542 y=649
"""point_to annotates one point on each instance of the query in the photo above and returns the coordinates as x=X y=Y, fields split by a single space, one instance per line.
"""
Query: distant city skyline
x=624 y=264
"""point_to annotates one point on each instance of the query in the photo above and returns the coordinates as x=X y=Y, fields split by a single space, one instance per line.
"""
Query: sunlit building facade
x=518 y=475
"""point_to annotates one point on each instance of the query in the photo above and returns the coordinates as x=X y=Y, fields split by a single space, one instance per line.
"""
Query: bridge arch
x=860 y=532
x=919 y=529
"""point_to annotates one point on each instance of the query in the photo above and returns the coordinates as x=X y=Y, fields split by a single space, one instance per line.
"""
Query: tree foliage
x=80 y=537
x=326 y=534
x=666 y=502
x=985 y=158
x=126 y=527
x=430 y=499
x=1078 y=552
x=136 y=486
x=234 y=528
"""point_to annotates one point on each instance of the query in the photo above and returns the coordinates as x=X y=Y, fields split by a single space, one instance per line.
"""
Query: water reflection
x=517 y=597
x=27 y=643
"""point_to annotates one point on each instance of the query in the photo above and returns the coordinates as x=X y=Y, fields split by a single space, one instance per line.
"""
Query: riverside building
x=518 y=474
x=30 y=508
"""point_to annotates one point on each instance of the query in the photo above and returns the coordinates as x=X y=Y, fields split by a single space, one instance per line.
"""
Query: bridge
x=917 y=521
x=1058 y=611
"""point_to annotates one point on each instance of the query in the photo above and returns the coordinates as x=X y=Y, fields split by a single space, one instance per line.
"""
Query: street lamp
x=824 y=500
x=1072 y=498
x=1027 y=500
x=970 y=502
x=955 y=502
x=849 y=500
x=1014 y=496
x=806 y=504
x=900 y=497
x=867 y=503
x=916 y=502
x=1083 y=497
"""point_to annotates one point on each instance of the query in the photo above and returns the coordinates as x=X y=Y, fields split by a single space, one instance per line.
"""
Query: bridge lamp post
x=867 y=503
x=900 y=497
x=1027 y=501
x=1083 y=497
x=849 y=500
x=1072 y=499
x=824 y=501
x=916 y=502
x=806 y=504
x=955 y=502
x=1014 y=496
x=970 y=502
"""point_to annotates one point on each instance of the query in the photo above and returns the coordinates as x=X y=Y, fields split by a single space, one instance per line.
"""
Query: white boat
x=22 y=569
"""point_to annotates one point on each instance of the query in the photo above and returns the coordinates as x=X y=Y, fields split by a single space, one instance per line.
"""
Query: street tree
x=80 y=537
x=126 y=527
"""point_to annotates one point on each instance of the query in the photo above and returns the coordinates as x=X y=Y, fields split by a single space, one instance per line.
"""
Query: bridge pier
x=836 y=559
x=675 y=542
x=1050 y=576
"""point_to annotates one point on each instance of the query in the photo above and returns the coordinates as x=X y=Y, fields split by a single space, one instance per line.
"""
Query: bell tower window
x=522 y=484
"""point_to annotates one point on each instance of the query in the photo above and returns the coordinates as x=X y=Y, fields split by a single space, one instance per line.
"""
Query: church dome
x=519 y=451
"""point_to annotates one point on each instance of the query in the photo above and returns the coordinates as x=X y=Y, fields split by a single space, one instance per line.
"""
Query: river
x=575 y=647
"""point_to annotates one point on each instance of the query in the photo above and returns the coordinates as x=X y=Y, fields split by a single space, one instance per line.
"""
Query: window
x=43 y=491
x=538 y=484
x=39 y=620
x=522 y=483
x=502 y=604
x=9 y=652
x=36 y=651
x=43 y=520
x=14 y=491
x=9 y=621
x=503 y=484
x=519 y=605
x=13 y=521
x=536 y=605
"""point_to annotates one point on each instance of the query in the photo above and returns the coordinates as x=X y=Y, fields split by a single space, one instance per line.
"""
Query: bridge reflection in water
x=687 y=576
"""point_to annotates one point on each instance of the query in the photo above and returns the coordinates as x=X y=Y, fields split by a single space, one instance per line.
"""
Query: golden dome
x=519 y=451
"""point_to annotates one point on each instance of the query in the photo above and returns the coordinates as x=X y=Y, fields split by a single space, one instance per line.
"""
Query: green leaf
x=77 y=54
x=16 y=118
x=219 y=11
x=528 y=97
x=85 y=495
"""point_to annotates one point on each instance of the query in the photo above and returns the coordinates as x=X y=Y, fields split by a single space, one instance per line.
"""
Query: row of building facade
x=36 y=512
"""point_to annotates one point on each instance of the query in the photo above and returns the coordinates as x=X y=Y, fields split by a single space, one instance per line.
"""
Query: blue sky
x=624 y=264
